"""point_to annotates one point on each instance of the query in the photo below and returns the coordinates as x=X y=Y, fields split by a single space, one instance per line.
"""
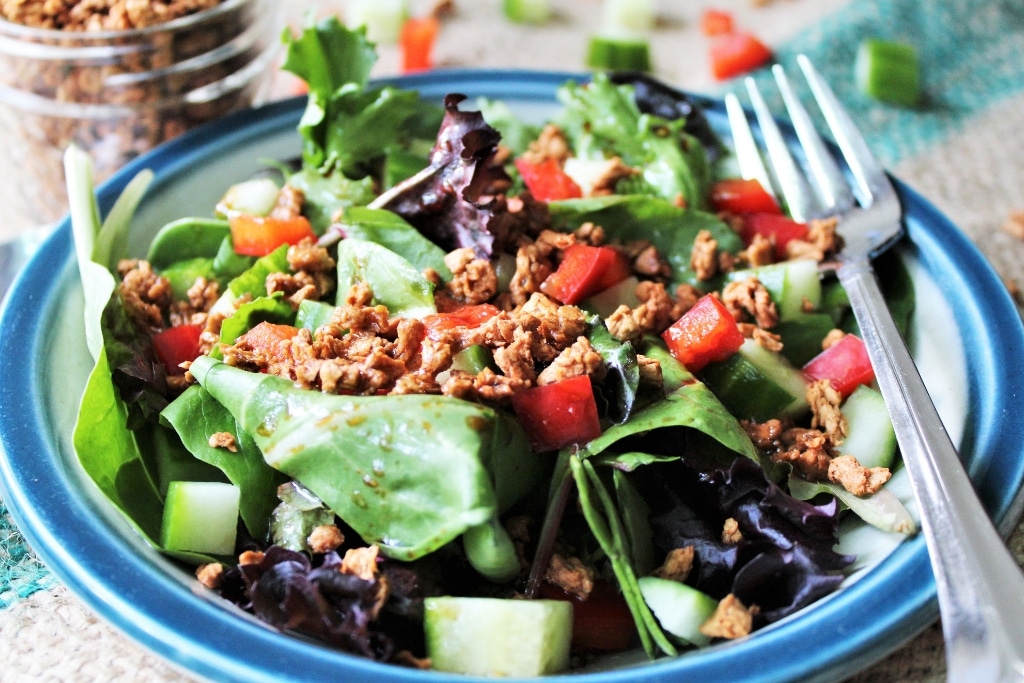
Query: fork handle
x=980 y=585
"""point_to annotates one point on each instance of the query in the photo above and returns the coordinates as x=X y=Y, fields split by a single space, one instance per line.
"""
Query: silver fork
x=980 y=586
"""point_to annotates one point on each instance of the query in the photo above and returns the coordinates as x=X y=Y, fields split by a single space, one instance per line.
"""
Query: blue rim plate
x=95 y=552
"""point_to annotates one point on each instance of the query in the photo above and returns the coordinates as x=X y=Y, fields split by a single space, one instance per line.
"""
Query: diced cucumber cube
x=256 y=197
x=200 y=517
x=888 y=71
x=757 y=384
x=629 y=15
x=383 y=19
x=680 y=609
x=605 y=302
x=619 y=53
x=527 y=11
x=870 y=436
x=790 y=284
x=493 y=637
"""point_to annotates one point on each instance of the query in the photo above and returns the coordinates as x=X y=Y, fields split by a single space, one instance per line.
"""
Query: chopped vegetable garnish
x=889 y=71
x=705 y=333
x=417 y=42
x=737 y=53
x=628 y=15
x=527 y=11
x=845 y=364
x=739 y=195
x=619 y=53
x=383 y=19
x=716 y=22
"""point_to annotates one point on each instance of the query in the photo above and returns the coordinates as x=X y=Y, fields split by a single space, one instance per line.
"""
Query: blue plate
x=95 y=551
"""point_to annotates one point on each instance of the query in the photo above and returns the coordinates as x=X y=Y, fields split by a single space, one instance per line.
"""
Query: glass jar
x=117 y=94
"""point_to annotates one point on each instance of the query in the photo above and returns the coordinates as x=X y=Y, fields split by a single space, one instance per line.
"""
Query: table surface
x=962 y=150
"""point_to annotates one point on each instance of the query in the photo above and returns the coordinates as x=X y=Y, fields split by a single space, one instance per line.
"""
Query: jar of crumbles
x=116 y=78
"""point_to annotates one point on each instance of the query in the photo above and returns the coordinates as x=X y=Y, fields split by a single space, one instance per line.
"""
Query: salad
x=462 y=391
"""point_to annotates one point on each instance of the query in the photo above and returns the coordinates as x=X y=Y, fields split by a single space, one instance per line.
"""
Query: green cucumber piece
x=888 y=71
x=200 y=517
x=605 y=302
x=790 y=283
x=619 y=53
x=629 y=15
x=680 y=609
x=383 y=19
x=256 y=197
x=757 y=384
x=493 y=637
x=473 y=359
x=870 y=436
x=527 y=11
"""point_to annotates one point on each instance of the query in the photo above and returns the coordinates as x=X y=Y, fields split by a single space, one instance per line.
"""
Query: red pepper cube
x=585 y=271
x=781 y=230
x=558 y=415
x=417 y=43
x=706 y=333
x=845 y=364
x=467 y=316
x=737 y=53
x=602 y=621
x=716 y=22
x=546 y=180
x=177 y=345
x=260 y=235
x=742 y=195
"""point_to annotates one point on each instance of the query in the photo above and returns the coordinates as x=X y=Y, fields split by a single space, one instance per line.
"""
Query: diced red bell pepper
x=417 y=42
x=780 y=229
x=716 y=22
x=558 y=415
x=467 y=316
x=742 y=195
x=260 y=235
x=585 y=271
x=177 y=345
x=266 y=338
x=706 y=333
x=601 y=622
x=737 y=53
x=547 y=181
x=845 y=364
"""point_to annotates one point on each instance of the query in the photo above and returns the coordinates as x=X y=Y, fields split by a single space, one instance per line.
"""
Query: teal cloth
x=971 y=54
x=972 y=57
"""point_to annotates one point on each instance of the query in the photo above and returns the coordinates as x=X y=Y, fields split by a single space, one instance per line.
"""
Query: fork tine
x=800 y=200
x=833 y=190
x=747 y=154
x=870 y=180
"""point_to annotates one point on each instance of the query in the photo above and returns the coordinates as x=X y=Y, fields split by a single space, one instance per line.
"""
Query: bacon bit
x=224 y=440
x=731 y=534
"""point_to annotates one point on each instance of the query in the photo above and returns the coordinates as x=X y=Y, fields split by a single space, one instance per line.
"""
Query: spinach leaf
x=109 y=453
x=395 y=282
x=409 y=473
x=254 y=281
x=272 y=309
x=603 y=120
x=393 y=232
x=196 y=417
x=622 y=381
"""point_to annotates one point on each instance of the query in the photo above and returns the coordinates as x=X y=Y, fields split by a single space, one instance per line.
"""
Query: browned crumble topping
x=250 y=557
x=749 y=299
x=731 y=619
x=361 y=562
x=731 y=533
x=704 y=257
x=224 y=440
x=677 y=565
x=571 y=575
x=825 y=414
x=325 y=538
x=846 y=471
x=1014 y=224
x=99 y=15
x=832 y=338
x=210 y=574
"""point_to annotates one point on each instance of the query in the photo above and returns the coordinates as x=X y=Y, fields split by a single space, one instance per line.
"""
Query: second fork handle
x=980 y=585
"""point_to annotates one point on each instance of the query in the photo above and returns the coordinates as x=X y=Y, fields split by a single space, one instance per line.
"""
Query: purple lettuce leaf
x=450 y=201
x=785 y=559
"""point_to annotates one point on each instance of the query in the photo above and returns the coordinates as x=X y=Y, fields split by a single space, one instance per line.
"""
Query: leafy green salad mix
x=451 y=372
